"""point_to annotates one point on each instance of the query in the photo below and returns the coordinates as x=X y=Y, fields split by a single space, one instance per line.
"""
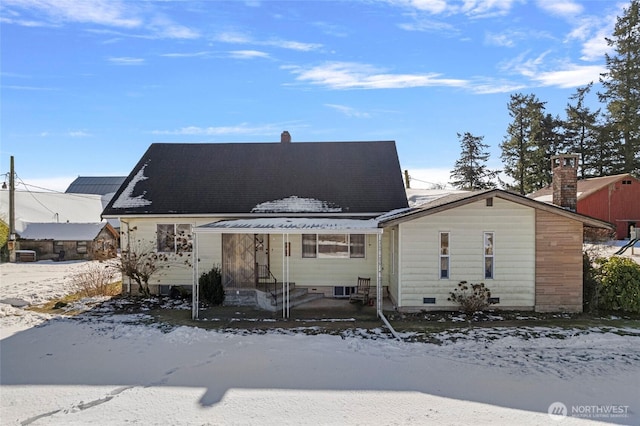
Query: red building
x=614 y=199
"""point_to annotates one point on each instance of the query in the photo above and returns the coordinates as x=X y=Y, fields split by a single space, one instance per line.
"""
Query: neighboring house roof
x=100 y=185
x=34 y=207
x=64 y=231
x=455 y=200
x=417 y=197
x=585 y=187
x=326 y=178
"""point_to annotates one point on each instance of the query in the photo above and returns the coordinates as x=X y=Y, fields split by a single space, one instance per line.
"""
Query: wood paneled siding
x=514 y=228
x=558 y=263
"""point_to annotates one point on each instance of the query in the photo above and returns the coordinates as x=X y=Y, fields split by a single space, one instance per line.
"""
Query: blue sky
x=87 y=86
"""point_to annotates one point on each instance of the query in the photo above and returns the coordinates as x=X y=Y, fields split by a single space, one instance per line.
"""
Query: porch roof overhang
x=290 y=225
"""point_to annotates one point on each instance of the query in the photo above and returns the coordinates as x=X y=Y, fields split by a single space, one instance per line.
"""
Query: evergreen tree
x=548 y=143
x=521 y=153
x=582 y=132
x=470 y=171
x=621 y=85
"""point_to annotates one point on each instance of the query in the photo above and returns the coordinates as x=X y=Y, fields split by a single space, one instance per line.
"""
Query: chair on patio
x=362 y=291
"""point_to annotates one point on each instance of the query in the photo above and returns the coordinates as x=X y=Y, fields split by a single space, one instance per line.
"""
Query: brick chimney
x=285 y=137
x=565 y=180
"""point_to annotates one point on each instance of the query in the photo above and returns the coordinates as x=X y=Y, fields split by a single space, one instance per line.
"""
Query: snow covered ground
x=107 y=368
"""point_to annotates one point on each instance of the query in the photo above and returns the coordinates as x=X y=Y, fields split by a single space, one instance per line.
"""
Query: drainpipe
x=379 y=291
x=195 y=296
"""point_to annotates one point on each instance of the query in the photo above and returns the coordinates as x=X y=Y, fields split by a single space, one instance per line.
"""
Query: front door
x=238 y=261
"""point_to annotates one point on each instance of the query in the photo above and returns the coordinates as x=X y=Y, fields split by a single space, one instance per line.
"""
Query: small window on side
x=490 y=202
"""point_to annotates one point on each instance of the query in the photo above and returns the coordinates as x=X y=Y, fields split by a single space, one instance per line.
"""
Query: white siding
x=514 y=254
x=314 y=272
x=142 y=233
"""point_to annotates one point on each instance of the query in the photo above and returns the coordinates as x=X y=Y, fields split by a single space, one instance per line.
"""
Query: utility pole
x=406 y=179
x=12 y=202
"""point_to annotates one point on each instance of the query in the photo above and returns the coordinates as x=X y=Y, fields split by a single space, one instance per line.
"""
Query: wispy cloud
x=423 y=24
x=470 y=8
x=240 y=129
x=109 y=13
x=543 y=72
x=351 y=75
x=79 y=134
x=242 y=38
x=104 y=12
x=126 y=61
x=203 y=53
x=29 y=88
x=566 y=8
x=571 y=76
x=247 y=54
x=348 y=111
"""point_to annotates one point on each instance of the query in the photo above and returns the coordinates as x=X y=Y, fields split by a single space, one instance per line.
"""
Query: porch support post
x=195 y=296
x=379 y=277
x=284 y=255
x=288 y=284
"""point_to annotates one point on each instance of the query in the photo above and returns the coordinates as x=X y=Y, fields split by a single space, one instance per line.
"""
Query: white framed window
x=489 y=241
x=444 y=255
x=174 y=238
x=333 y=246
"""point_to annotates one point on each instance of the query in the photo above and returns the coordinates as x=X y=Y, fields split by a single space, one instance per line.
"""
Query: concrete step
x=301 y=300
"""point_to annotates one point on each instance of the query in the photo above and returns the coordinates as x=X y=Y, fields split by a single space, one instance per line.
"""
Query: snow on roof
x=39 y=207
x=294 y=204
x=126 y=198
x=418 y=197
x=62 y=231
x=292 y=226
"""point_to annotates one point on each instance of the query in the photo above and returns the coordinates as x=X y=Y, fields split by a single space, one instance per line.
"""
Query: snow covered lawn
x=124 y=368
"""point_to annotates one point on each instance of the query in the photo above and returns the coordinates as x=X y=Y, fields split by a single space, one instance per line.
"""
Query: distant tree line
x=608 y=141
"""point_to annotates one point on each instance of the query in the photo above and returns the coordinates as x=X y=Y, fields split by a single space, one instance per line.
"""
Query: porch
x=252 y=247
x=325 y=312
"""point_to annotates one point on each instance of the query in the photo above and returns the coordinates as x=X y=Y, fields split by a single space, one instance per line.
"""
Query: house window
x=81 y=247
x=444 y=255
x=174 y=238
x=356 y=245
x=488 y=254
x=626 y=182
x=490 y=202
x=333 y=246
x=309 y=245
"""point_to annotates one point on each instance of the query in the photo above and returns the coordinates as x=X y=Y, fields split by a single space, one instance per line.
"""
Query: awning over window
x=291 y=226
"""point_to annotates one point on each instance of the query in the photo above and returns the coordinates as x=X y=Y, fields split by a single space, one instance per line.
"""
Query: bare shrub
x=97 y=280
x=470 y=297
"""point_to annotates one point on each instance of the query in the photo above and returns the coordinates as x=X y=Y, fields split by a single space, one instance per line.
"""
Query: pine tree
x=520 y=150
x=621 y=85
x=470 y=171
x=581 y=133
x=549 y=142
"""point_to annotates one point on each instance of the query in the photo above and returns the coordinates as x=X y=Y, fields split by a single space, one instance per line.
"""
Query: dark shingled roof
x=99 y=185
x=228 y=178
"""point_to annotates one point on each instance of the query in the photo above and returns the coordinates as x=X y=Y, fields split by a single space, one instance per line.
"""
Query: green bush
x=590 y=284
x=211 y=289
x=619 y=279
